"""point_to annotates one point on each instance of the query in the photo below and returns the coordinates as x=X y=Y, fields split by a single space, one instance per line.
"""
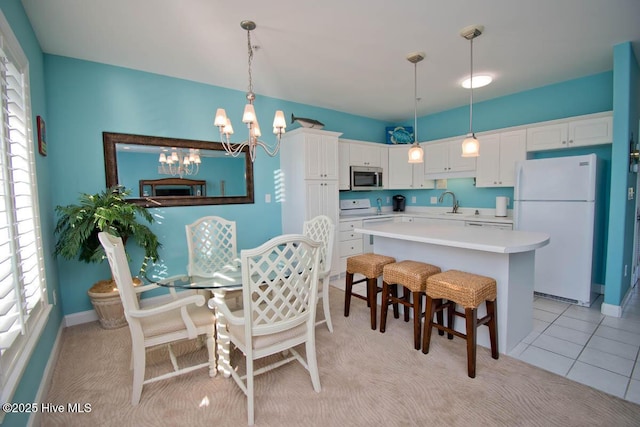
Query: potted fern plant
x=77 y=229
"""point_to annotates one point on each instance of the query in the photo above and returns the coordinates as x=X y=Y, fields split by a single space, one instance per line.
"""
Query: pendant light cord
x=250 y=55
x=415 y=102
x=471 y=87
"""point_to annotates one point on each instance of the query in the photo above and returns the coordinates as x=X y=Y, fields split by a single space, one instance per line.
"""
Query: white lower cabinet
x=350 y=242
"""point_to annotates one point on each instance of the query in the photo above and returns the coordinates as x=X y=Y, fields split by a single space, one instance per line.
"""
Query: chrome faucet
x=379 y=209
x=455 y=207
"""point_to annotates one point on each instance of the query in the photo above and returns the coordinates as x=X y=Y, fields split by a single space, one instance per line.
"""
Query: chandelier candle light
x=416 y=154
x=178 y=164
x=249 y=117
x=471 y=145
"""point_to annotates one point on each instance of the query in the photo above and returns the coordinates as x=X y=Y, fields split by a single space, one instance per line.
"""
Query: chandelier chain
x=250 y=59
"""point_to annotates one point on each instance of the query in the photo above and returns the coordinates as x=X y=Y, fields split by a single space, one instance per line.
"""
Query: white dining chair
x=322 y=229
x=280 y=291
x=185 y=317
x=211 y=242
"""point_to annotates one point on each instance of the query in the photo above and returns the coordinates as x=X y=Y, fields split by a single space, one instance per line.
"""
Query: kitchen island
x=505 y=255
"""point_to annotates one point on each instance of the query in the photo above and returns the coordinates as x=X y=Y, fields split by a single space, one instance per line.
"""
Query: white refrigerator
x=558 y=196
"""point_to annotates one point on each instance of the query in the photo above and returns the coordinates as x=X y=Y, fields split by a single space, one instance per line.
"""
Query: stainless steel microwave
x=366 y=178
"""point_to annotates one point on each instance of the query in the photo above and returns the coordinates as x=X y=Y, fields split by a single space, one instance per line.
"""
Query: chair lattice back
x=280 y=283
x=321 y=229
x=211 y=241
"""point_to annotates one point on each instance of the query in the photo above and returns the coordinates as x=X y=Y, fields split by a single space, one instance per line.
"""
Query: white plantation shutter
x=22 y=290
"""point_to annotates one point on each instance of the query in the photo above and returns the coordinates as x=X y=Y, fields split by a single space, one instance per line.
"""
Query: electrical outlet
x=413 y=199
x=55 y=297
x=388 y=199
x=630 y=193
x=434 y=200
x=267 y=198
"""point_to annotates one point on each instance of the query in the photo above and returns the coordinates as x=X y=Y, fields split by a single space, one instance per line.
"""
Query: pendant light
x=471 y=145
x=416 y=154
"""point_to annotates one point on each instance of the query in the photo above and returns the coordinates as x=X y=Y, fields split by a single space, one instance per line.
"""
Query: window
x=23 y=306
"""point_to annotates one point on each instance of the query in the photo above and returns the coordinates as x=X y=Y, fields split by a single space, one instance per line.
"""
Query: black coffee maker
x=398 y=203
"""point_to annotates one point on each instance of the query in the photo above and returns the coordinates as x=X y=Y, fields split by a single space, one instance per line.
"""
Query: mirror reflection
x=176 y=172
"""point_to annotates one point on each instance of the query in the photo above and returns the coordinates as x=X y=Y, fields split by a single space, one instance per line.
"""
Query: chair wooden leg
x=384 y=307
x=347 y=293
x=325 y=303
x=312 y=363
x=428 y=324
x=372 y=294
x=139 y=362
x=417 y=316
x=249 y=393
x=493 y=330
x=471 y=318
x=440 y=314
x=211 y=349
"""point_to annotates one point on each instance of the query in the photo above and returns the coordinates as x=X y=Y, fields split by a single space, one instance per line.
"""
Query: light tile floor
x=582 y=344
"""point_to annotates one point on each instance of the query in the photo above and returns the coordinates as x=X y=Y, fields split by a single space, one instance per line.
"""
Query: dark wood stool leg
x=417 y=316
x=440 y=314
x=493 y=330
x=406 y=293
x=451 y=310
x=394 y=292
x=471 y=318
x=347 y=293
x=428 y=323
x=372 y=293
x=384 y=307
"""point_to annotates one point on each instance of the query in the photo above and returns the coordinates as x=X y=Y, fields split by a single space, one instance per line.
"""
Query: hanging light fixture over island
x=471 y=145
x=416 y=153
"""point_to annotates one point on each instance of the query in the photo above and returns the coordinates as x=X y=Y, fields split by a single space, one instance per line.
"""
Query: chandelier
x=249 y=117
x=180 y=162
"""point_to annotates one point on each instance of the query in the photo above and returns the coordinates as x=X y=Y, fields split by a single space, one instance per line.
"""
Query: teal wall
x=626 y=100
x=32 y=376
x=87 y=98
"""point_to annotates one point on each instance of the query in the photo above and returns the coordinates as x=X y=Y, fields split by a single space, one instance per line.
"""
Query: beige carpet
x=367 y=378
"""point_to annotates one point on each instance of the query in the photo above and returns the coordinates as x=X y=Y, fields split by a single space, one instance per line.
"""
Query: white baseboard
x=36 y=418
x=611 y=310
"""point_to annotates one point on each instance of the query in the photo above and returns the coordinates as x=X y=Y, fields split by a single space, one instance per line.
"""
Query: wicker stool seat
x=412 y=276
x=468 y=290
x=369 y=265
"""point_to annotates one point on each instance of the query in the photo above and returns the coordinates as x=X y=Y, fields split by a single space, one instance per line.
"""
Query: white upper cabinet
x=443 y=159
x=367 y=154
x=499 y=152
x=402 y=174
x=590 y=130
x=321 y=156
x=344 y=177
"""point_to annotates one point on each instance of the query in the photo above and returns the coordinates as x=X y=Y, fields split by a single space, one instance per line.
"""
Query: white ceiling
x=346 y=55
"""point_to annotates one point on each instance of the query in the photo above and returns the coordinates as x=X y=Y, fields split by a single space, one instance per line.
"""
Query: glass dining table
x=224 y=285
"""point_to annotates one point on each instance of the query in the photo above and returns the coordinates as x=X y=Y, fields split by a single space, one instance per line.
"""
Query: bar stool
x=412 y=276
x=469 y=290
x=369 y=265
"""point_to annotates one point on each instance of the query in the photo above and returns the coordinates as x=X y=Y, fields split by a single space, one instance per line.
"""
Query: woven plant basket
x=105 y=299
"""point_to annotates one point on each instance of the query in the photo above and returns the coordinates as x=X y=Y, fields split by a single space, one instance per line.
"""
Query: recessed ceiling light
x=478 y=81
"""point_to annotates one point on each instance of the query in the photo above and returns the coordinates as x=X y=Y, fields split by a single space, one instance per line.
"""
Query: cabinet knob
x=571 y=141
x=564 y=142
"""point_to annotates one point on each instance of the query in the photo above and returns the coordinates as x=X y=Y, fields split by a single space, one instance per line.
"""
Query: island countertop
x=482 y=239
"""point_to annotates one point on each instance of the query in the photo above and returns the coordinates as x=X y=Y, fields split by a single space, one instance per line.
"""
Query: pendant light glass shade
x=470 y=146
x=416 y=153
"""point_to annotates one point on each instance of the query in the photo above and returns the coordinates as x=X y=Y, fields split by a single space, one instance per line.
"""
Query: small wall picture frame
x=42 y=136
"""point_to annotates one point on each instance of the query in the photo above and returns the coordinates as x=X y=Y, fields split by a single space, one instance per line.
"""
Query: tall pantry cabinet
x=309 y=179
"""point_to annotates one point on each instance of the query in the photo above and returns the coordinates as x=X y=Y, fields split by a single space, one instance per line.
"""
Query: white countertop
x=482 y=239
x=466 y=214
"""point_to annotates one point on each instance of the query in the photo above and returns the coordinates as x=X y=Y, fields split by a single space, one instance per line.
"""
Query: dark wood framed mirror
x=198 y=172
